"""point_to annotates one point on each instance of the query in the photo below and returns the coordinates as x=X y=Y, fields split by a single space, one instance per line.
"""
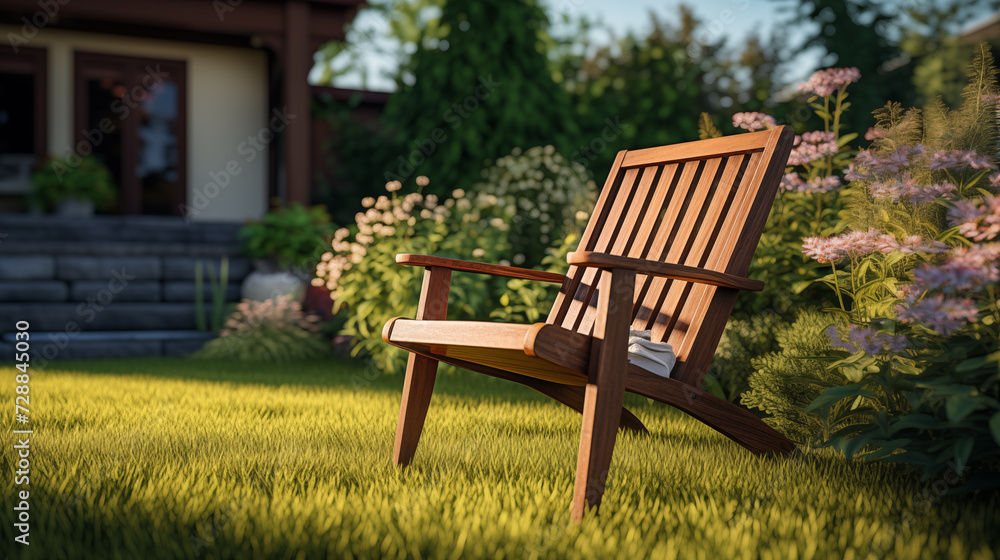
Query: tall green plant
x=217 y=286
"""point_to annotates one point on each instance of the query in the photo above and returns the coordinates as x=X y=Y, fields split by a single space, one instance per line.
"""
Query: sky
x=733 y=19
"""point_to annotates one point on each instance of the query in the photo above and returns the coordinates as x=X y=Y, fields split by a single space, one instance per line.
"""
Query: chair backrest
x=700 y=204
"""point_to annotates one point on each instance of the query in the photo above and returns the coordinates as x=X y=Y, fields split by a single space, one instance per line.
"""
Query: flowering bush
x=552 y=195
x=370 y=288
x=917 y=280
x=273 y=330
x=526 y=200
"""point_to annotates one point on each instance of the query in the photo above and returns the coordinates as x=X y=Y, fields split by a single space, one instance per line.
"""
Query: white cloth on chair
x=654 y=357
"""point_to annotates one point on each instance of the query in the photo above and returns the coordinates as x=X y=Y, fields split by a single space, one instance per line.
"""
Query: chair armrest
x=479 y=268
x=666 y=270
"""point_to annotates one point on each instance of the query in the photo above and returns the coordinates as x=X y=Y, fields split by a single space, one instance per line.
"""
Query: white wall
x=226 y=103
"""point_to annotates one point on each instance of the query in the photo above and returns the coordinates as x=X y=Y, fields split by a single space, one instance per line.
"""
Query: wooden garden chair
x=667 y=249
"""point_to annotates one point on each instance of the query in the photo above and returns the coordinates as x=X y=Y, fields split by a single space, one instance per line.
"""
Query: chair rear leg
x=420 y=374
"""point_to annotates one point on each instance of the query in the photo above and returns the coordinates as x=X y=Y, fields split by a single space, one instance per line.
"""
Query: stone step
x=46 y=346
x=100 y=315
x=80 y=290
x=116 y=248
x=157 y=229
x=115 y=269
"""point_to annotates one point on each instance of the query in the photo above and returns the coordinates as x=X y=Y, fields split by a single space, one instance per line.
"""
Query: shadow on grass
x=336 y=372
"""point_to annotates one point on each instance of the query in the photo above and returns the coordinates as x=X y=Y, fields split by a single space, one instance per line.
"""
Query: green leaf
x=830 y=397
x=846 y=138
x=995 y=427
x=960 y=406
x=963 y=449
x=914 y=422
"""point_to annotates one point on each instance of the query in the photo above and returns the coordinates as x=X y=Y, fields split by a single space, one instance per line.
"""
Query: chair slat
x=718 y=258
x=625 y=237
x=664 y=237
x=603 y=242
x=716 y=217
x=693 y=213
x=612 y=185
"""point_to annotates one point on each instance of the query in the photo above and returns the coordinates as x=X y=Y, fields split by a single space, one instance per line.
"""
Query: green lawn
x=148 y=459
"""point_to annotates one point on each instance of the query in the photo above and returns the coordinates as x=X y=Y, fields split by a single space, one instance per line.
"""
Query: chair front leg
x=420 y=370
x=605 y=391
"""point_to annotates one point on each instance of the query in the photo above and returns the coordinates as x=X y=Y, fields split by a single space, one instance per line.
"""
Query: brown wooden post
x=297 y=63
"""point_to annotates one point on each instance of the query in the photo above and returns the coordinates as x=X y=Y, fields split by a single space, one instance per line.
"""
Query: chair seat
x=541 y=351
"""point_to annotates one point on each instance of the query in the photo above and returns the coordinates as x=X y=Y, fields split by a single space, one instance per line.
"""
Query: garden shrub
x=785 y=382
x=741 y=342
x=370 y=288
x=524 y=301
x=526 y=200
x=288 y=236
x=553 y=197
x=917 y=279
x=273 y=330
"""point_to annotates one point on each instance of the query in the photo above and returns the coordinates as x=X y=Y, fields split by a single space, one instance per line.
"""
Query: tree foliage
x=479 y=92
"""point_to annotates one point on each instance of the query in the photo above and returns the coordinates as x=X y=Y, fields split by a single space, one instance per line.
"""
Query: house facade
x=199 y=108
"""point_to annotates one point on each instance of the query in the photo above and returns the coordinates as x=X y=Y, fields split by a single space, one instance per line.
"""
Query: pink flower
x=889 y=163
x=941 y=314
x=823 y=249
x=794 y=182
x=826 y=82
x=959 y=159
x=995 y=180
x=906 y=188
x=867 y=339
x=915 y=244
x=754 y=121
x=874 y=133
x=812 y=146
x=856 y=243
x=968 y=268
x=977 y=221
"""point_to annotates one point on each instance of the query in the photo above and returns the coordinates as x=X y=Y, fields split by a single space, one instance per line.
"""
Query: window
x=22 y=117
x=131 y=115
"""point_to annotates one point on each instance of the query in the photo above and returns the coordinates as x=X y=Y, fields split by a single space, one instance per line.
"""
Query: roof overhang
x=248 y=23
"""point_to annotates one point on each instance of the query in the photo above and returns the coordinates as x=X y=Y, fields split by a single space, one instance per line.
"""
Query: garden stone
x=133 y=291
x=27 y=267
x=46 y=290
x=72 y=267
